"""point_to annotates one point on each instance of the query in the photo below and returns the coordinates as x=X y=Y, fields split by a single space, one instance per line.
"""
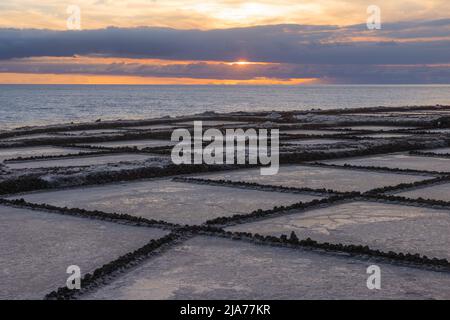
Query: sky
x=294 y=42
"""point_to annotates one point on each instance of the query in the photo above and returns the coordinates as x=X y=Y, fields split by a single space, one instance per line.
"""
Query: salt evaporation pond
x=380 y=226
x=176 y=202
x=140 y=144
x=79 y=161
x=25 y=152
x=213 y=268
x=318 y=177
x=37 y=247
x=433 y=192
x=398 y=160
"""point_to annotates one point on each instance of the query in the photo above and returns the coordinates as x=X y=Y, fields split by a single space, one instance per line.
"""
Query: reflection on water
x=44 y=104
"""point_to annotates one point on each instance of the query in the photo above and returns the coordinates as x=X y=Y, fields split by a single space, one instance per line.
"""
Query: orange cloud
x=30 y=78
x=187 y=14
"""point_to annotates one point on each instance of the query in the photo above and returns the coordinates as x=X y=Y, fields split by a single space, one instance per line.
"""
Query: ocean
x=27 y=105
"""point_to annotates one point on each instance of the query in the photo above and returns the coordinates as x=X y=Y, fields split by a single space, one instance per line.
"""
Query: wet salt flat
x=79 y=161
x=154 y=127
x=439 y=111
x=92 y=132
x=37 y=247
x=445 y=131
x=439 y=150
x=175 y=202
x=314 y=141
x=212 y=123
x=380 y=226
x=384 y=135
x=306 y=131
x=317 y=177
x=140 y=144
x=213 y=268
x=31 y=136
x=375 y=128
x=398 y=160
x=434 y=192
x=25 y=152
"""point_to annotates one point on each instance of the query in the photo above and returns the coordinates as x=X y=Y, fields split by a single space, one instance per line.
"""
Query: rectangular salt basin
x=140 y=144
x=37 y=247
x=92 y=132
x=176 y=202
x=446 y=131
x=307 y=131
x=439 y=150
x=32 y=136
x=154 y=127
x=387 y=227
x=78 y=161
x=398 y=160
x=207 y=268
x=375 y=128
x=384 y=135
x=25 y=152
x=318 y=177
x=433 y=192
x=313 y=141
x=212 y=123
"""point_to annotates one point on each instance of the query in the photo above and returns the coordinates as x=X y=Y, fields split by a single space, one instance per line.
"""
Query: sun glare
x=242 y=63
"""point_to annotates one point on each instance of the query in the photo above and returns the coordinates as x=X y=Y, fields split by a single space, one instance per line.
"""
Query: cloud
x=406 y=52
x=281 y=43
x=187 y=14
x=223 y=71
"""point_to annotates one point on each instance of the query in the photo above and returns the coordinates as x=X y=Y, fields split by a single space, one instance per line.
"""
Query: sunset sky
x=224 y=42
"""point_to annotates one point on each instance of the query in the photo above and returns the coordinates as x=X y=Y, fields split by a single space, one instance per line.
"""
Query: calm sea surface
x=22 y=105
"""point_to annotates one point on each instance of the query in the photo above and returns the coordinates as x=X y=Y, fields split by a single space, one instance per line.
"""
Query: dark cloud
x=280 y=43
x=301 y=51
x=333 y=73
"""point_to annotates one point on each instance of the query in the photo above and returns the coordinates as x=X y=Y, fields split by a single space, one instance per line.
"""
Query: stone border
x=113 y=268
x=408 y=259
x=257 y=186
x=92 y=214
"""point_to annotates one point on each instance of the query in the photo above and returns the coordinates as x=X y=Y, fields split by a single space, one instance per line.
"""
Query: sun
x=242 y=63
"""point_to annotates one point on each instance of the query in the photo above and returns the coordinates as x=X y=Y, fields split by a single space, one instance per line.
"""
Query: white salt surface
x=398 y=160
x=212 y=123
x=439 y=150
x=434 y=192
x=175 y=202
x=154 y=127
x=92 y=132
x=25 y=152
x=140 y=144
x=380 y=226
x=37 y=247
x=310 y=131
x=318 y=177
x=375 y=128
x=78 y=161
x=384 y=135
x=212 y=268
x=313 y=141
x=445 y=131
x=31 y=136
